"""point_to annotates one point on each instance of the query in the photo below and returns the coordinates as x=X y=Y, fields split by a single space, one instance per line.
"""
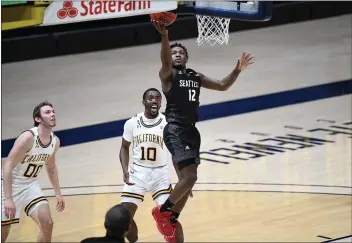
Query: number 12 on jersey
x=192 y=94
x=148 y=153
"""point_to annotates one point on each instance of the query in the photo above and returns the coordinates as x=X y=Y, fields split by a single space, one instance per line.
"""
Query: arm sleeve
x=128 y=130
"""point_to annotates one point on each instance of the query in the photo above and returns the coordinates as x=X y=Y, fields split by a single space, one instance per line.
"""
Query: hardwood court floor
x=212 y=216
x=294 y=196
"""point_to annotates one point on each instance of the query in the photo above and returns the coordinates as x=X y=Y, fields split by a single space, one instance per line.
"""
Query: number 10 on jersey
x=148 y=153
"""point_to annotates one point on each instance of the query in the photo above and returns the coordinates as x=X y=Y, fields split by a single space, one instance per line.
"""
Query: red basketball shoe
x=162 y=220
x=172 y=238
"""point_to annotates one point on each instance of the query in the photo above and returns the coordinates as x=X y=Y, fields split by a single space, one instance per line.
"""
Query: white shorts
x=153 y=180
x=27 y=197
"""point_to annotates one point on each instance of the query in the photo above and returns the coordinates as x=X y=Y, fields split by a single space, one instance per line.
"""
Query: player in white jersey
x=148 y=170
x=32 y=150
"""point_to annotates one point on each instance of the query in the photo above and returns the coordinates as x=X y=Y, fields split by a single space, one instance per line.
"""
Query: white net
x=212 y=30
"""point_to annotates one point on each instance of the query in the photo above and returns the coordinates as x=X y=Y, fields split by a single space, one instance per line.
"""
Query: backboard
x=213 y=17
x=239 y=10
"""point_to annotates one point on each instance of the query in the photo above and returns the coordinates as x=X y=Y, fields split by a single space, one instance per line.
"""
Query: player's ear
x=37 y=119
x=143 y=102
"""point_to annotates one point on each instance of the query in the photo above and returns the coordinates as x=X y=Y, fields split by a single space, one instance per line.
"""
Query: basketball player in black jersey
x=181 y=87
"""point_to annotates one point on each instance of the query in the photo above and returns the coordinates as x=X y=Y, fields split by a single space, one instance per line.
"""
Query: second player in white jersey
x=148 y=170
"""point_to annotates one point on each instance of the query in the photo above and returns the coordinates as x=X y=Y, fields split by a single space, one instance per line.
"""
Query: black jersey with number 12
x=183 y=97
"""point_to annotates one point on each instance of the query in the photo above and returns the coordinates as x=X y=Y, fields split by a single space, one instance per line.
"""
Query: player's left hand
x=244 y=61
x=60 y=205
x=160 y=27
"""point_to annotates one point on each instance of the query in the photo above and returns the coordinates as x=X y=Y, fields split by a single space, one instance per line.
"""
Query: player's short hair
x=36 y=111
x=117 y=221
x=150 y=89
x=180 y=45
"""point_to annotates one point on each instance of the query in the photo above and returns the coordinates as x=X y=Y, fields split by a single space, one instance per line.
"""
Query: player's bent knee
x=41 y=215
x=188 y=170
x=191 y=178
x=46 y=224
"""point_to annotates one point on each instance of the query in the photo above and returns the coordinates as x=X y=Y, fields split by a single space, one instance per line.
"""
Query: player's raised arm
x=165 y=72
x=228 y=81
x=22 y=144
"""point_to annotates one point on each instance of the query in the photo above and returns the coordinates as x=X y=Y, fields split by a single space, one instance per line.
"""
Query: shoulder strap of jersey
x=29 y=130
x=33 y=134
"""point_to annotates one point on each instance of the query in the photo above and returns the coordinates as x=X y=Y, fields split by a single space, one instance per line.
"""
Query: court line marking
x=112 y=129
x=210 y=187
x=209 y=183
x=287 y=192
x=324 y=237
x=340 y=238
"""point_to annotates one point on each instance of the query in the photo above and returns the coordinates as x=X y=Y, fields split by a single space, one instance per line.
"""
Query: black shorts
x=183 y=142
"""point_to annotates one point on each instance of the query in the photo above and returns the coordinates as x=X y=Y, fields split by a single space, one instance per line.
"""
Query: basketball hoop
x=212 y=30
x=213 y=17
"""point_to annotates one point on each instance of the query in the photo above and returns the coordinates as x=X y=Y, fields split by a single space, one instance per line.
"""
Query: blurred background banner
x=62 y=12
x=19 y=14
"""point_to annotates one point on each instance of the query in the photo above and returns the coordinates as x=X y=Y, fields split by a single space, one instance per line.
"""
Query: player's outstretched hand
x=244 y=61
x=191 y=194
x=160 y=27
x=126 y=178
x=10 y=209
x=60 y=205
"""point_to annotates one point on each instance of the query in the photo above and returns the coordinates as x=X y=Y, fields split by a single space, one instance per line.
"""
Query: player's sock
x=174 y=217
x=167 y=206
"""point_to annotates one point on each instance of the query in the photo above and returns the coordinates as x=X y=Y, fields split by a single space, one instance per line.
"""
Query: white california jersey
x=146 y=138
x=29 y=168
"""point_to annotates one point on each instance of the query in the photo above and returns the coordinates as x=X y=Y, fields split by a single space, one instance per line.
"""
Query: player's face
x=48 y=117
x=152 y=103
x=179 y=58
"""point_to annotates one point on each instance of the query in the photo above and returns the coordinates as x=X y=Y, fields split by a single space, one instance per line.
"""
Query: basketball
x=166 y=17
